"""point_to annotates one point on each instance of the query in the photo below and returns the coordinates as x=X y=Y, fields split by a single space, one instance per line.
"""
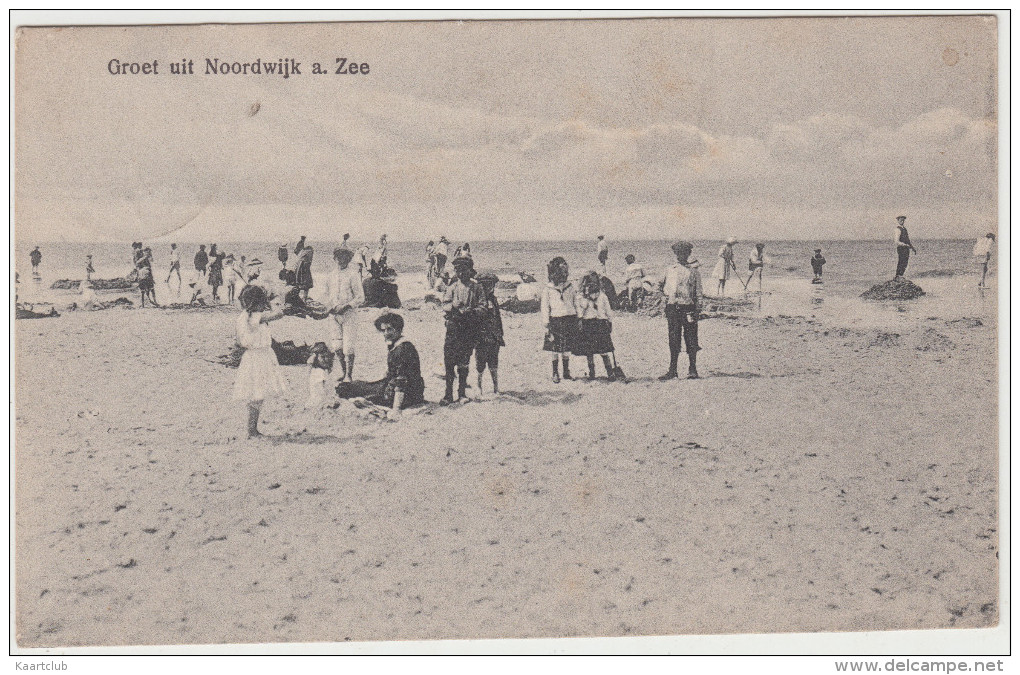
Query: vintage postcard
x=418 y=330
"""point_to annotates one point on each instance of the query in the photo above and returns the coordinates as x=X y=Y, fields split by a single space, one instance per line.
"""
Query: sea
x=944 y=268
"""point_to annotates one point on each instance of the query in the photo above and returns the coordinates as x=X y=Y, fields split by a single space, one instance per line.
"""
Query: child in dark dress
x=596 y=327
x=490 y=333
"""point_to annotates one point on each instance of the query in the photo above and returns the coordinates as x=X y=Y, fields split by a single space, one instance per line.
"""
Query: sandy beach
x=823 y=475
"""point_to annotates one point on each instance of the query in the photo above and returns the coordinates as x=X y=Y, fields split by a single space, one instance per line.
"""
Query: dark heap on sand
x=894 y=289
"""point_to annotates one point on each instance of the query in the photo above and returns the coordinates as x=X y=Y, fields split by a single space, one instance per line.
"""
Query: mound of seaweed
x=27 y=311
x=516 y=306
x=894 y=289
x=118 y=284
x=937 y=273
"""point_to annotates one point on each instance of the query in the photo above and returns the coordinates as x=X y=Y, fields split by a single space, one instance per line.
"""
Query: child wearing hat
x=490 y=333
x=682 y=288
x=462 y=303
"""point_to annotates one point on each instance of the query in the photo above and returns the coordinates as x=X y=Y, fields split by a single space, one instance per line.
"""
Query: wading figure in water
x=35 y=257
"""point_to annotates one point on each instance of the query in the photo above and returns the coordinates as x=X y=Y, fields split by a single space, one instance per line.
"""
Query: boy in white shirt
x=344 y=294
x=682 y=288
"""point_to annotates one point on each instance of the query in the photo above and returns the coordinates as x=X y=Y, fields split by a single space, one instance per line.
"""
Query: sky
x=784 y=128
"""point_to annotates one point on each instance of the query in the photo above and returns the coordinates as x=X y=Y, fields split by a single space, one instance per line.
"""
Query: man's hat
x=901 y=218
x=818 y=250
x=731 y=240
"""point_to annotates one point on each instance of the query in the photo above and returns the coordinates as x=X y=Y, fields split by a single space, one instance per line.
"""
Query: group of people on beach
x=577 y=322
x=258 y=374
x=436 y=257
x=213 y=268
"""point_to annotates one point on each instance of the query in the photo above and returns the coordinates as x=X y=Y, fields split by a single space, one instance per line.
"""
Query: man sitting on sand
x=403 y=386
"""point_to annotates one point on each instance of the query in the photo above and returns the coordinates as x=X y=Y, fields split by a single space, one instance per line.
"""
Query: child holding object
x=490 y=334
x=259 y=375
x=596 y=326
x=559 y=316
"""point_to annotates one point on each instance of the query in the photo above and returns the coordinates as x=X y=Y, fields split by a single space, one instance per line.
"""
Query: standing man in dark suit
x=903 y=246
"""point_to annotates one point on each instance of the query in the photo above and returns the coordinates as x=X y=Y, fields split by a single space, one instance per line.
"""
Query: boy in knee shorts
x=344 y=294
x=490 y=333
x=682 y=288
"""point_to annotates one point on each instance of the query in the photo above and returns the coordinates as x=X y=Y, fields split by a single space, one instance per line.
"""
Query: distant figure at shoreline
x=175 y=266
x=215 y=272
x=721 y=272
x=201 y=260
x=602 y=251
x=756 y=263
x=817 y=260
x=903 y=247
x=303 y=274
x=635 y=282
x=361 y=260
x=343 y=244
x=146 y=283
x=430 y=262
x=381 y=253
x=35 y=257
x=442 y=253
x=89 y=269
x=983 y=255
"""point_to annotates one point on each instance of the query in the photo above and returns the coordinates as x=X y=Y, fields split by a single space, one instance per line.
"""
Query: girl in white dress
x=259 y=375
